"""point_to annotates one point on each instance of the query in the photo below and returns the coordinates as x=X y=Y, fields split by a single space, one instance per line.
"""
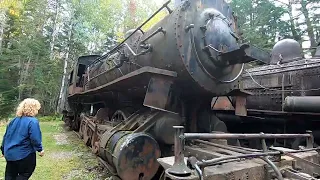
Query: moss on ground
x=66 y=156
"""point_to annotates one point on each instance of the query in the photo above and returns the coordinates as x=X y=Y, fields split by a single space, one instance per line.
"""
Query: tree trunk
x=2 y=24
x=62 y=98
x=1 y=38
x=53 y=34
x=292 y=24
x=20 y=78
x=24 y=69
x=310 y=30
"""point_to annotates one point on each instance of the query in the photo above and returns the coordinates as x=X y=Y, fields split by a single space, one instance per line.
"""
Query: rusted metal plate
x=136 y=157
x=272 y=84
x=246 y=53
x=138 y=78
x=250 y=169
x=159 y=95
x=241 y=108
x=221 y=103
x=73 y=89
x=102 y=115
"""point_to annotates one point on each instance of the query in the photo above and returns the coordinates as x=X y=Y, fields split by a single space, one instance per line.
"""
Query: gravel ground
x=61 y=139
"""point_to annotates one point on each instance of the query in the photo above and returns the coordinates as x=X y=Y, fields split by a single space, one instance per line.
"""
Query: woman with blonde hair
x=21 y=140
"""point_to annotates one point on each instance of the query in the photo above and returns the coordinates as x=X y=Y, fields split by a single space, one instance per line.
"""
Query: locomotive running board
x=140 y=78
x=159 y=94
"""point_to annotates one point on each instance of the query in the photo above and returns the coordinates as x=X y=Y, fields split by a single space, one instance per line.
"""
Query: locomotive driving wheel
x=86 y=134
x=82 y=128
x=95 y=147
x=121 y=115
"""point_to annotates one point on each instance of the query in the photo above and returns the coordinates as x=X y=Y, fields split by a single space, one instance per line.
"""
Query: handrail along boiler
x=125 y=103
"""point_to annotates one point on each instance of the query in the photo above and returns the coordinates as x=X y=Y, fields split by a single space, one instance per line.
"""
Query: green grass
x=72 y=160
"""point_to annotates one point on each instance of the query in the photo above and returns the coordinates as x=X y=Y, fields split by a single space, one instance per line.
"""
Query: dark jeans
x=21 y=169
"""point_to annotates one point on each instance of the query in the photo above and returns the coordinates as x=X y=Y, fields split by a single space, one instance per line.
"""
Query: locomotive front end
x=206 y=37
x=200 y=41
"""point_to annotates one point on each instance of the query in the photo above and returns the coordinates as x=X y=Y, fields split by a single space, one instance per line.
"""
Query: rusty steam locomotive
x=284 y=95
x=133 y=104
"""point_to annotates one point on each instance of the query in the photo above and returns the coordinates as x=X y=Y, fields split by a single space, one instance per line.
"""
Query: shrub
x=55 y=117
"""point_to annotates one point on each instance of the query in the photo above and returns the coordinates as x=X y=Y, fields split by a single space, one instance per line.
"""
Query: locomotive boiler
x=125 y=103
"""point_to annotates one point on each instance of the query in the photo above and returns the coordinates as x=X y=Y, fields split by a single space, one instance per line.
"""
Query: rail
x=180 y=169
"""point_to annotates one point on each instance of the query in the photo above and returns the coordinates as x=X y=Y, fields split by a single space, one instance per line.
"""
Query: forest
x=41 y=39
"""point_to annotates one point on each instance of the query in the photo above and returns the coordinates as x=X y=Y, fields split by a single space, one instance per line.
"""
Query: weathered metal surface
x=314 y=166
x=139 y=78
x=286 y=50
x=163 y=128
x=302 y=104
x=221 y=103
x=147 y=123
x=245 y=54
x=241 y=136
x=159 y=94
x=181 y=42
x=102 y=116
x=200 y=65
x=123 y=150
x=193 y=47
x=179 y=167
x=271 y=84
x=135 y=156
x=250 y=169
x=213 y=166
x=241 y=106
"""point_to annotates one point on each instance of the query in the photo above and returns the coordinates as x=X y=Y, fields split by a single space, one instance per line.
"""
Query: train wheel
x=77 y=121
x=86 y=135
x=95 y=147
x=208 y=122
x=121 y=115
x=82 y=128
x=68 y=121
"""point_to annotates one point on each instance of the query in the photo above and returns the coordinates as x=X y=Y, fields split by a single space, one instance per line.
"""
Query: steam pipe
x=241 y=136
x=254 y=155
x=302 y=104
x=274 y=167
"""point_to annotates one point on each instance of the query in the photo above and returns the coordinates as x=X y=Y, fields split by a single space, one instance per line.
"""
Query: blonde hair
x=28 y=107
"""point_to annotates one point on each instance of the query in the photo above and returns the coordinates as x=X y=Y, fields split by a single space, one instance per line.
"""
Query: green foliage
x=260 y=21
x=56 y=117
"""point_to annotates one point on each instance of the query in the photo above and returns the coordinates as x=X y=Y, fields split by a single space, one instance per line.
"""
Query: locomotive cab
x=78 y=74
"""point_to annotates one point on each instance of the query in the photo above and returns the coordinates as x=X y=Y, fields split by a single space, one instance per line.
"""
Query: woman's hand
x=41 y=153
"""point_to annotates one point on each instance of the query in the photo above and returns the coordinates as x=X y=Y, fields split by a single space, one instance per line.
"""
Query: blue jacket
x=22 y=137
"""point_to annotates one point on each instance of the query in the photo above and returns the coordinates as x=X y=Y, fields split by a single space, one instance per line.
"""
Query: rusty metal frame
x=241 y=136
x=179 y=167
x=128 y=77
